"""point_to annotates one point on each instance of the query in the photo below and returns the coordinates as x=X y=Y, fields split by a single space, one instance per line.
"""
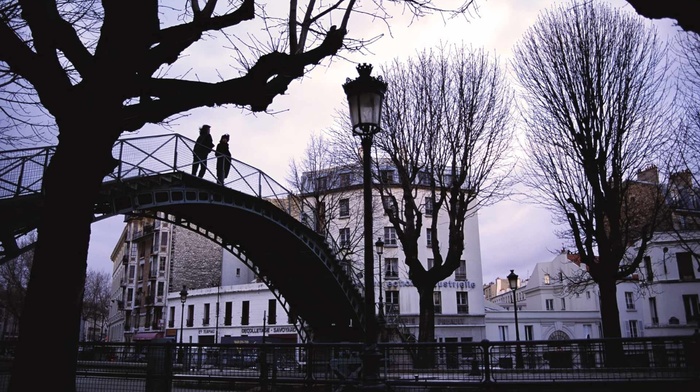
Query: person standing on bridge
x=201 y=150
x=223 y=159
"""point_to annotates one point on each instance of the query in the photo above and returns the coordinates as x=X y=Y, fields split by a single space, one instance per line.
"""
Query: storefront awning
x=147 y=335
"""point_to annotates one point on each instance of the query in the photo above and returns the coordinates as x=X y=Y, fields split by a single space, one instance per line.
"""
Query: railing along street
x=146 y=366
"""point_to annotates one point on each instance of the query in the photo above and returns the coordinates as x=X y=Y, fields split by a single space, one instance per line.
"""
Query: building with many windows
x=335 y=208
x=151 y=258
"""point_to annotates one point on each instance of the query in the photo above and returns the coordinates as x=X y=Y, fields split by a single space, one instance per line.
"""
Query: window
x=467 y=349
x=245 y=313
x=549 y=304
x=161 y=265
x=160 y=290
x=692 y=308
x=228 y=313
x=649 y=269
x=321 y=217
x=388 y=204
x=632 y=331
x=344 y=237
x=391 y=268
x=272 y=311
x=588 y=330
x=529 y=332
x=685 y=266
x=462 y=302
x=163 y=241
x=392 y=302
x=238 y=272
x=461 y=272
x=344 y=208
x=387 y=176
x=431 y=263
x=429 y=237
x=390 y=236
x=321 y=183
x=653 y=311
x=423 y=178
x=344 y=179
x=629 y=300
x=563 y=304
x=205 y=319
x=428 y=206
x=588 y=295
x=171 y=317
x=503 y=332
x=547 y=279
x=190 y=315
x=437 y=302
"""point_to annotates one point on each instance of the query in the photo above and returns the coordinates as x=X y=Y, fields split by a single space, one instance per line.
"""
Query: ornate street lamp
x=513 y=283
x=365 y=96
x=379 y=247
x=183 y=299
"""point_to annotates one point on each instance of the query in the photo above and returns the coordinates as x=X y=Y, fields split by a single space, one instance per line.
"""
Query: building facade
x=152 y=258
x=335 y=209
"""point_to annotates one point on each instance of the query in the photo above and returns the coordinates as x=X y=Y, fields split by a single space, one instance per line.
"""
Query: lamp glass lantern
x=513 y=280
x=365 y=98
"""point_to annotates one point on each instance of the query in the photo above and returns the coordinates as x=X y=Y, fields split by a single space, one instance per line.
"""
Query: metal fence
x=429 y=366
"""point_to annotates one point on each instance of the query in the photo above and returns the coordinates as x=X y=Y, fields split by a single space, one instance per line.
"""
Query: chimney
x=681 y=179
x=650 y=174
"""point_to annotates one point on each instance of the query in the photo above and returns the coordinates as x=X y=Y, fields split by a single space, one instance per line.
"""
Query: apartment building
x=152 y=258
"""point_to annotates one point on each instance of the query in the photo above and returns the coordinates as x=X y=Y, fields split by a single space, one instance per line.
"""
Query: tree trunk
x=54 y=295
x=610 y=316
x=426 y=326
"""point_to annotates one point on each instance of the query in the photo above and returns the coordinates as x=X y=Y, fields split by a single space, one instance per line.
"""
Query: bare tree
x=96 y=300
x=446 y=133
x=99 y=69
x=594 y=99
x=328 y=185
x=14 y=277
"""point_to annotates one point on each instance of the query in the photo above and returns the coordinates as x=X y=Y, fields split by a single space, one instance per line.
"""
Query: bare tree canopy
x=99 y=69
x=96 y=299
x=596 y=113
x=447 y=134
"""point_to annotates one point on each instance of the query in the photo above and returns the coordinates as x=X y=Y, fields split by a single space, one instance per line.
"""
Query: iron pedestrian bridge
x=251 y=216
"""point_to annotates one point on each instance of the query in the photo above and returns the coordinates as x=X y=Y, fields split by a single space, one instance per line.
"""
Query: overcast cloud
x=513 y=235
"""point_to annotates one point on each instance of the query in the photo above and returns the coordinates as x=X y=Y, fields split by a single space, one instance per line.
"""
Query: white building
x=664 y=299
x=335 y=208
x=546 y=309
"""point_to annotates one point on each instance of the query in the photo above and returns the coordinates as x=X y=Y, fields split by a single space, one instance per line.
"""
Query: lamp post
x=183 y=299
x=513 y=283
x=379 y=247
x=365 y=95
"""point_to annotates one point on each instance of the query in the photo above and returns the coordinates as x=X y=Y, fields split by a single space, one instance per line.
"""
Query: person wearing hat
x=223 y=159
x=201 y=150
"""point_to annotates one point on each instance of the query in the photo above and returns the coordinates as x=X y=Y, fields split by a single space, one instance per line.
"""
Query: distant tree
x=595 y=110
x=99 y=69
x=328 y=185
x=96 y=299
x=14 y=277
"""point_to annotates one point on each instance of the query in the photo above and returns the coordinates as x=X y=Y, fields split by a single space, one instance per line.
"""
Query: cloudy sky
x=512 y=235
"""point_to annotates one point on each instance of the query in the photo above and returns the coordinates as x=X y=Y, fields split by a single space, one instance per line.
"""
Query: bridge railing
x=21 y=171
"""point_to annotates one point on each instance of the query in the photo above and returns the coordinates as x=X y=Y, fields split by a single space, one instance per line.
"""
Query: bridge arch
x=296 y=263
